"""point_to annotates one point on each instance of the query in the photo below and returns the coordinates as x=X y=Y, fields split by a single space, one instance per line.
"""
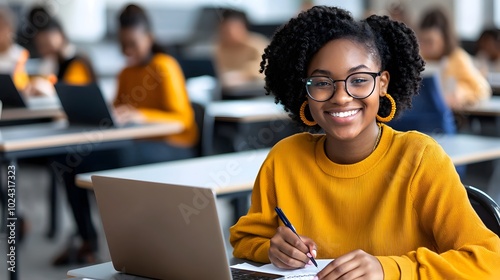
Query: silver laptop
x=164 y=231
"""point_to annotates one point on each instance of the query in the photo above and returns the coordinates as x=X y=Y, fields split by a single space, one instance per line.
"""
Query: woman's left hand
x=353 y=265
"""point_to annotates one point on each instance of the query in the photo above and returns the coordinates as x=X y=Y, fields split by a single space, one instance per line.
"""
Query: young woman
x=488 y=49
x=13 y=57
x=238 y=51
x=152 y=89
x=462 y=83
x=61 y=62
x=384 y=204
x=59 y=55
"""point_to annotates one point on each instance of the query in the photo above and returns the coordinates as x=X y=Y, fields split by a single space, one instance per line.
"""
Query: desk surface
x=489 y=107
x=467 y=149
x=226 y=173
x=28 y=114
x=235 y=172
x=37 y=108
x=103 y=271
x=56 y=134
x=250 y=110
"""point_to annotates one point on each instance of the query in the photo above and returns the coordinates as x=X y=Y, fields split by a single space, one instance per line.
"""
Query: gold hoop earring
x=303 y=115
x=393 y=110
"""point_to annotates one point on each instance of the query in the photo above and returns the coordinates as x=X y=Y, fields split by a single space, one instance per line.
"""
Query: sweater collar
x=356 y=169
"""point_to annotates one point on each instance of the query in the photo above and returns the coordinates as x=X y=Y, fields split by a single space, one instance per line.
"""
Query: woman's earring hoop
x=393 y=110
x=303 y=115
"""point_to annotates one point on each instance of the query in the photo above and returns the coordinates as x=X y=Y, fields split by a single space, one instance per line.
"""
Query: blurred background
x=188 y=31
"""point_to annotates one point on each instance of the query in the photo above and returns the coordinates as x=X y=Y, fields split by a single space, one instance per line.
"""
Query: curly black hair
x=286 y=59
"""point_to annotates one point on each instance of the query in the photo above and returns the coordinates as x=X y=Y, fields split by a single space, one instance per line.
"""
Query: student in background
x=488 y=49
x=462 y=83
x=61 y=62
x=152 y=89
x=383 y=204
x=238 y=51
x=12 y=56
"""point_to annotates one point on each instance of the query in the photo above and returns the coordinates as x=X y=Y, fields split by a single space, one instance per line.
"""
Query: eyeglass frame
x=334 y=82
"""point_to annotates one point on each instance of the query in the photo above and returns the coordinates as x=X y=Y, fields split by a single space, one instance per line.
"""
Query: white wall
x=470 y=16
x=258 y=10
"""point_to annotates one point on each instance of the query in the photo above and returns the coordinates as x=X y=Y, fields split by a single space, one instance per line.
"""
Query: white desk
x=468 y=149
x=103 y=271
x=57 y=134
x=489 y=107
x=210 y=171
x=19 y=114
x=37 y=108
x=226 y=173
x=251 y=110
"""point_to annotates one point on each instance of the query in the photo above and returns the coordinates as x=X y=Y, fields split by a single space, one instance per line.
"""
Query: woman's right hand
x=288 y=251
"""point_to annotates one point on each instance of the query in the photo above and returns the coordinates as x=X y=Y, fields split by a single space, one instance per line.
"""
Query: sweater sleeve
x=250 y=236
x=466 y=249
x=175 y=101
x=19 y=75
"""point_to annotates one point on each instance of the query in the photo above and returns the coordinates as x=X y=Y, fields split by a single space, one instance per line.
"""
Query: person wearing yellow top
x=152 y=89
x=13 y=57
x=462 y=83
x=383 y=204
x=61 y=62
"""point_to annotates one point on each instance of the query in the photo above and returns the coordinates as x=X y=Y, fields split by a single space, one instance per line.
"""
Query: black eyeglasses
x=358 y=85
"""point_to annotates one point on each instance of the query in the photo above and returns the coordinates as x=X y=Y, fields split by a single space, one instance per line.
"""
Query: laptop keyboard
x=239 y=274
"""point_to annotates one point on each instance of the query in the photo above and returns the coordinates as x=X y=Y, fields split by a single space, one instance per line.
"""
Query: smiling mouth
x=344 y=114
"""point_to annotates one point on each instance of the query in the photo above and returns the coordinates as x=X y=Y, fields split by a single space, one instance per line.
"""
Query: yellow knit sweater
x=403 y=204
x=158 y=91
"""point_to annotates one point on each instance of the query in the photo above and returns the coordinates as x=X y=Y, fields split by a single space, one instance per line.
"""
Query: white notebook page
x=307 y=272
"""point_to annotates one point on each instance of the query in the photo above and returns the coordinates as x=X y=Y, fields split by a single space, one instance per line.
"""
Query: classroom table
x=39 y=109
x=48 y=139
x=230 y=175
x=483 y=114
x=103 y=271
x=245 y=124
x=490 y=107
x=245 y=111
x=217 y=171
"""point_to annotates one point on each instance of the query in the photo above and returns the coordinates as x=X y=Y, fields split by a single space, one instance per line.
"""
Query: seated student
x=12 y=56
x=61 y=62
x=462 y=83
x=384 y=204
x=238 y=51
x=152 y=89
x=488 y=49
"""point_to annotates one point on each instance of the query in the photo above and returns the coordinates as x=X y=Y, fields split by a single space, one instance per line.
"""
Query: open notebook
x=305 y=273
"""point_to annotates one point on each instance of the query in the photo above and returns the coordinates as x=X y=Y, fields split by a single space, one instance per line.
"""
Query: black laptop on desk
x=9 y=95
x=85 y=106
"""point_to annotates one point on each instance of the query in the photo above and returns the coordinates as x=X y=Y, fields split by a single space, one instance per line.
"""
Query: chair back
x=486 y=208
x=429 y=112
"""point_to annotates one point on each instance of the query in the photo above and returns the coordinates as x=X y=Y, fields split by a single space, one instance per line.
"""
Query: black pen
x=289 y=225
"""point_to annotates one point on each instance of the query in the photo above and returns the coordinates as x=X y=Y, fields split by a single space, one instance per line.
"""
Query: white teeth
x=344 y=114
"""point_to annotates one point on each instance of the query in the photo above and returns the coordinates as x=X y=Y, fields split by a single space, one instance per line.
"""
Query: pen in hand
x=289 y=225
